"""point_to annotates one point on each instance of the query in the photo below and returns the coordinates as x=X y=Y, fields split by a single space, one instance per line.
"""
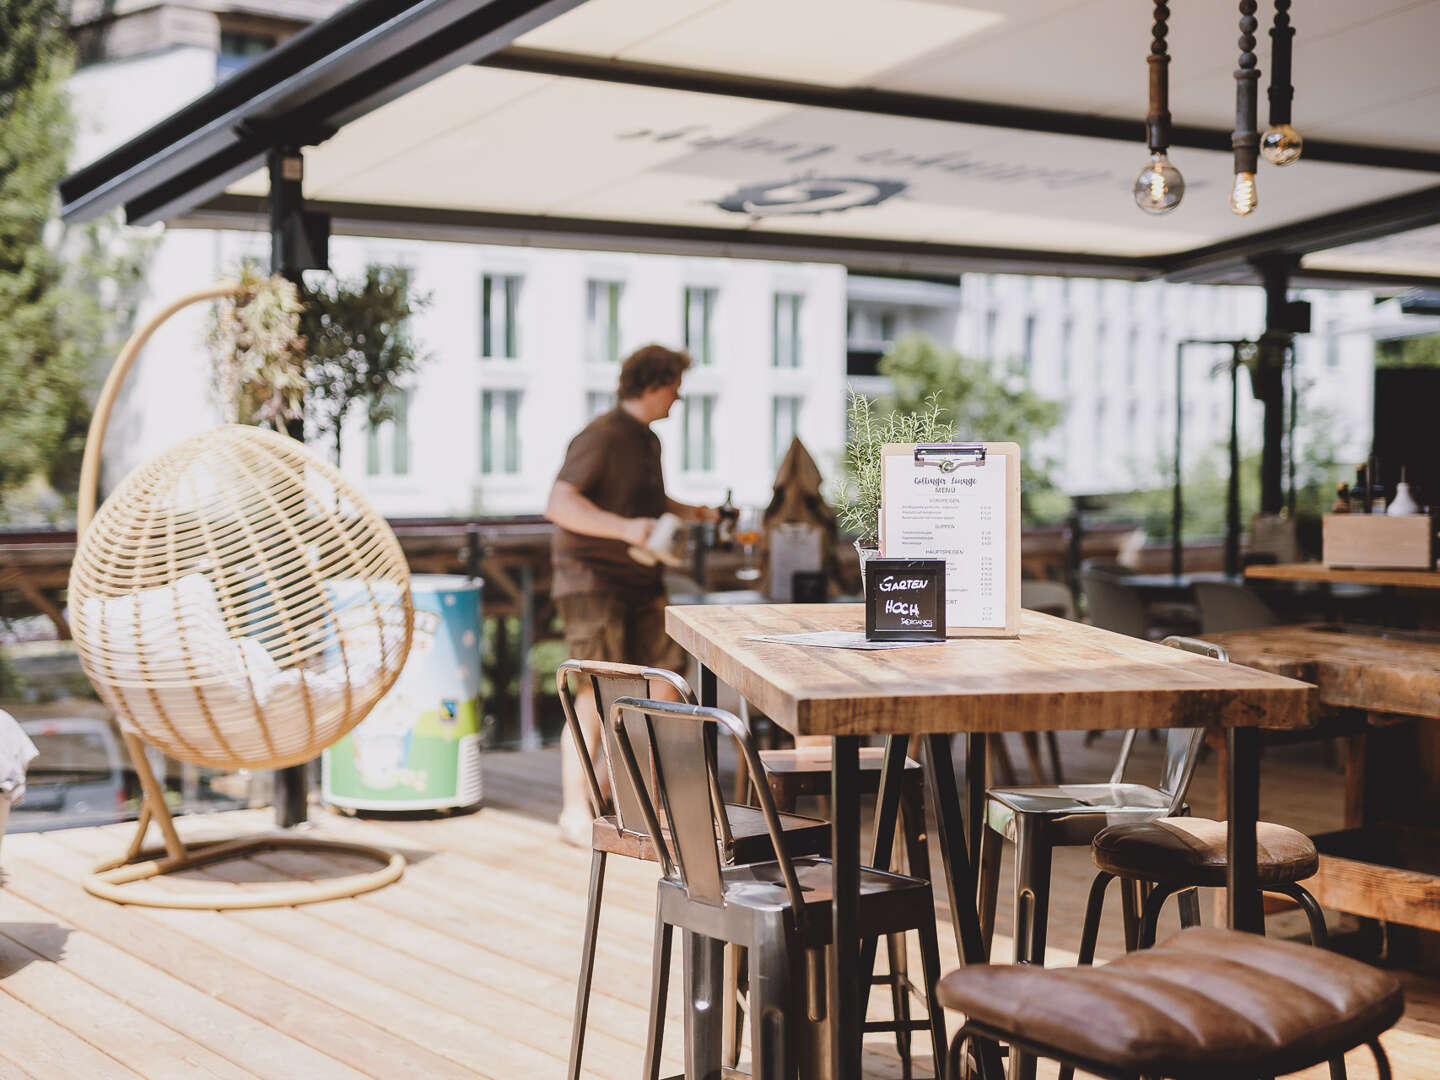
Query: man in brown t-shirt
x=606 y=498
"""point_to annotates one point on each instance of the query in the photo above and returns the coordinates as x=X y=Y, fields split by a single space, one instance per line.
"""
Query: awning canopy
x=904 y=135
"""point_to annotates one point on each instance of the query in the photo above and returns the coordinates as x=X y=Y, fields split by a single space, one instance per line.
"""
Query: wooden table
x=1058 y=675
x=1314 y=571
x=1383 y=864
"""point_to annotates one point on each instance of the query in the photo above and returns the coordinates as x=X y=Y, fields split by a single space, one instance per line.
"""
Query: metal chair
x=1038 y=819
x=779 y=910
x=744 y=832
x=1231 y=605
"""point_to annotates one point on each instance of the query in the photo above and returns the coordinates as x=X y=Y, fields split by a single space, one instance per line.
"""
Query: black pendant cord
x=1246 y=138
x=1157 y=122
x=1281 y=92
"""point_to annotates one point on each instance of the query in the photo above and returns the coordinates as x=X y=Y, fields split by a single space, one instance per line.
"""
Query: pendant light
x=1159 y=187
x=1245 y=139
x=1281 y=143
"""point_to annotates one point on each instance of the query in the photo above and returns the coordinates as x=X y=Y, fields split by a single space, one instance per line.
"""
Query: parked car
x=77 y=778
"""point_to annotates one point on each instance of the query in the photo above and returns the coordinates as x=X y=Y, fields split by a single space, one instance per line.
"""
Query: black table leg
x=1243 y=811
x=709 y=689
x=887 y=811
x=976 y=748
x=959 y=872
x=845 y=991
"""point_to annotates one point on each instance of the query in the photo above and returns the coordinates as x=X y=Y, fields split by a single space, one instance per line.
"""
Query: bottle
x=1403 y=503
x=1360 y=492
x=725 y=527
x=1341 y=505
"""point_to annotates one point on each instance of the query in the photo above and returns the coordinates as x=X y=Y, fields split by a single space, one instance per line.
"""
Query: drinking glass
x=748 y=530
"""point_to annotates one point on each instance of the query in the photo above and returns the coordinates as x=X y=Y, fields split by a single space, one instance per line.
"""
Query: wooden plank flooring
x=464 y=968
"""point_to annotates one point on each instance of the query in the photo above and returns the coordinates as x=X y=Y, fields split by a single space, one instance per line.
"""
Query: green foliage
x=360 y=349
x=43 y=379
x=869 y=428
x=259 y=352
x=1408 y=352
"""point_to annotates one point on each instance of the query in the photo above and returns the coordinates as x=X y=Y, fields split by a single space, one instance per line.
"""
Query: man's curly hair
x=651 y=366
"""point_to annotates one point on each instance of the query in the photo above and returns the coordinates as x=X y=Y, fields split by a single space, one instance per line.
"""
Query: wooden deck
x=464 y=968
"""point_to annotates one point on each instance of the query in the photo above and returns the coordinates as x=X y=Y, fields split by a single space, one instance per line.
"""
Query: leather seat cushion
x=1207 y=1003
x=1192 y=851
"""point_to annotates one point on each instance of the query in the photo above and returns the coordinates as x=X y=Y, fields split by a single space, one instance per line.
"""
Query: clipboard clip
x=949 y=456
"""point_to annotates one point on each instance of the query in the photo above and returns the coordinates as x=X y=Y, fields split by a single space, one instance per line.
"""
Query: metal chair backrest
x=1112 y=605
x=1231 y=605
x=678 y=737
x=1182 y=745
x=606 y=682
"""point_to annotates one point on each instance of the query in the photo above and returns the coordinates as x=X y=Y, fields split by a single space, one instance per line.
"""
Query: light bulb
x=1159 y=187
x=1281 y=144
x=1243 y=197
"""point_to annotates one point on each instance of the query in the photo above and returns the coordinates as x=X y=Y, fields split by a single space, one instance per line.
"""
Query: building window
x=1332 y=352
x=598 y=402
x=238 y=51
x=499 y=316
x=499 y=432
x=784 y=426
x=887 y=327
x=1027 y=355
x=700 y=325
x=698 y=452
x=1067 y=342
x=992 y=319
x=786 y=330
x=387 y=445
x=602 y=321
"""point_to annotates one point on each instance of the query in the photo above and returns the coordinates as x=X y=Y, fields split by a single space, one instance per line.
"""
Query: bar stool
x=778 y=910
x=744 y=834
x=1182 y=854
x=1207 y=1003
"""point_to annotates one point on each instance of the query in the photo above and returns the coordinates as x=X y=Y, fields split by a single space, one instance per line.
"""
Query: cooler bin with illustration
x=419 y=749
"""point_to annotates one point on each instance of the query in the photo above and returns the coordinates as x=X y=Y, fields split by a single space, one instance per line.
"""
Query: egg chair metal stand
x=237 y=604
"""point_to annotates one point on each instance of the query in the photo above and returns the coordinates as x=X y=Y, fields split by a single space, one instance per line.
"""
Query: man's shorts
x=620 y=630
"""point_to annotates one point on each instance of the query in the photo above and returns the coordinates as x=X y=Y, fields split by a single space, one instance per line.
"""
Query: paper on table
x=838 y=639
x=959 y=517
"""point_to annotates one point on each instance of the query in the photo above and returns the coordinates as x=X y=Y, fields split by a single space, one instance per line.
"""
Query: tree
x=357 y=335
x=43 y=374
x=978 y=404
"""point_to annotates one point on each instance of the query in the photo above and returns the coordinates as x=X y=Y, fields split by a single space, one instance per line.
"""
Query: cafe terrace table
x=1057 y=675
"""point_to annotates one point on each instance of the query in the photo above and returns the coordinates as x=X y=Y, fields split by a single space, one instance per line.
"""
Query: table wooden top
x=1057 y=675
x=1314 y=571
x=1356 y=669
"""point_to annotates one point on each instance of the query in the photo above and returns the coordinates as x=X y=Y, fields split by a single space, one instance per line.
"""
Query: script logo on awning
x=811 y=195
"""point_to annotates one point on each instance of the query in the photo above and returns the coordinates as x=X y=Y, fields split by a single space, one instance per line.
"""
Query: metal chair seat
x=1075 y=813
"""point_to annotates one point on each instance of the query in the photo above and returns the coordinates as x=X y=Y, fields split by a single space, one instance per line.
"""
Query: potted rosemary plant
x=870 y=429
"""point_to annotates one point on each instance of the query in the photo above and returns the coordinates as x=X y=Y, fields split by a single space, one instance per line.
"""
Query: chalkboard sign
x=905 y=599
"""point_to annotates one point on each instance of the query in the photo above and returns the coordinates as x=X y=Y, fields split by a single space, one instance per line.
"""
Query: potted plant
x=870 y=430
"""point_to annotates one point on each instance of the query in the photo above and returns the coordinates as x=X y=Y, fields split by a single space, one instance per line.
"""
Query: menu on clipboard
x=959 y=502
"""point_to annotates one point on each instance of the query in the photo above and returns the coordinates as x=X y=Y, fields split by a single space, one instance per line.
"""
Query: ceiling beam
x=927 y=106
x=537 y=230
x=1352 y=225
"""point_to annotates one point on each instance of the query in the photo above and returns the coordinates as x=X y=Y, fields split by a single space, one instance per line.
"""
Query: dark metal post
x=846 y=995
x=1269 y=382
x=1177 y=503
x=1232 y=491
x=287 y=170
x=529 y=729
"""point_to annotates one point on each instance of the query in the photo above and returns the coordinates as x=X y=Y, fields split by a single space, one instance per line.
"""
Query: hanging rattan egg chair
x=239 y=605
